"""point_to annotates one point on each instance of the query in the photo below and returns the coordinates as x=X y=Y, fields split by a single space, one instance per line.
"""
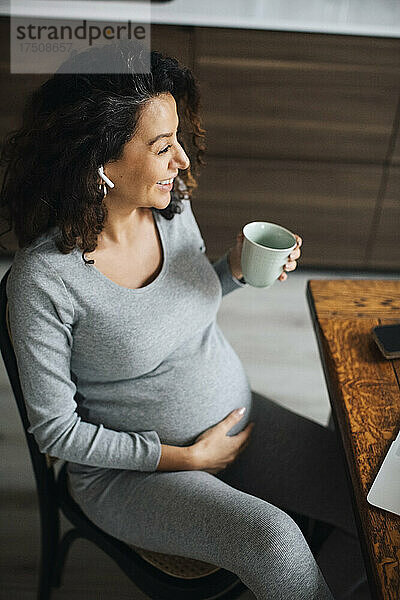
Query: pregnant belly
x=203 y=392
x=192 y=390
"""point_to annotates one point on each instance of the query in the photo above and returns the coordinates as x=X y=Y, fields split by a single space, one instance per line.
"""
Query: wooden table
x=364 y=390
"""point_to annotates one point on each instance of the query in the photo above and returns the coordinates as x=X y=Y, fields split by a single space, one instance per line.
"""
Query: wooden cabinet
x=300 y=131
x=297 y=96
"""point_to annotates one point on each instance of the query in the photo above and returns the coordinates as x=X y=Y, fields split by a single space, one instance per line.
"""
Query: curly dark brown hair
x=75 y=122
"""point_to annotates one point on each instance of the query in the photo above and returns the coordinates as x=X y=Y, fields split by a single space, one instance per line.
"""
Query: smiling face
x=152 y=156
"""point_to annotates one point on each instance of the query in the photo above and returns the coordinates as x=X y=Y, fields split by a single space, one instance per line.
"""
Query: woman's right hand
x=213 y=450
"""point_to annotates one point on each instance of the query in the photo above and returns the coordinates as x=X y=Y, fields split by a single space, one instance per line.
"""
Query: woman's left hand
x=235 y=254
x=292 y=261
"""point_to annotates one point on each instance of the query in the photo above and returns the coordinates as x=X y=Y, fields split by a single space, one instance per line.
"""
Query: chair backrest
x=42 y=463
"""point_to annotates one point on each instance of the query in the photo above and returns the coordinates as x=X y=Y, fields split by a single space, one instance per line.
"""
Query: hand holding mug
x=235 y=254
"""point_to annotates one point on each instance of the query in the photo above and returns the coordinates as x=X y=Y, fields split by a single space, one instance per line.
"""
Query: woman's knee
x=284 y=533
x=263 y=529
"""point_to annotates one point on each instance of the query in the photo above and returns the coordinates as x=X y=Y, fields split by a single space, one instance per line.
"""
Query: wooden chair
x=160 y=576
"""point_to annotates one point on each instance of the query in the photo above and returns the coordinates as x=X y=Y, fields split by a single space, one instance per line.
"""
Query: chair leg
x=47 y=559
x=331 y=423
x=62 y=552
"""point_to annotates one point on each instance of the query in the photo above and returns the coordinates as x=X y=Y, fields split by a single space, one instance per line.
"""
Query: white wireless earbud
x=104 y=176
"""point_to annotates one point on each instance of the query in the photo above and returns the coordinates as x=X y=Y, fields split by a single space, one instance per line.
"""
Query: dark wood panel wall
x=385 y=246
x=302 y=130
x=311 y=104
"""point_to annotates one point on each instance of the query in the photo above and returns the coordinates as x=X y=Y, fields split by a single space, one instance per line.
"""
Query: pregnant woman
x=125 y=372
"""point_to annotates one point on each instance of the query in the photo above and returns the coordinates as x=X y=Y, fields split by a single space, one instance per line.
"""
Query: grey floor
x=272 y=333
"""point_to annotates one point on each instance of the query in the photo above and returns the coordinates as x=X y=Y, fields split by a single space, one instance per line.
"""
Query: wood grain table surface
x=364 y=390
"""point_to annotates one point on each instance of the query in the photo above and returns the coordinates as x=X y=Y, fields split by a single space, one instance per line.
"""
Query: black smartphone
x=387 y=338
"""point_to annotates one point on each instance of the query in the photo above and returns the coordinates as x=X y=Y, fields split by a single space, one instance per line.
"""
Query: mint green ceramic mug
x=266 y=249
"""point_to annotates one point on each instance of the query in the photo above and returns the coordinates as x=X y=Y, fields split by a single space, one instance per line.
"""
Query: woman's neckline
x=150 y=286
